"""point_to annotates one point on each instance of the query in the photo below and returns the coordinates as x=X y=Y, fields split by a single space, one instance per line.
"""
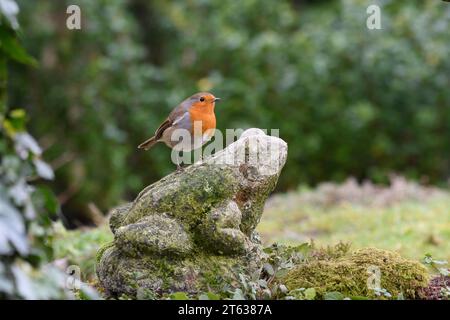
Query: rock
x=355 y=275
x=194 y=230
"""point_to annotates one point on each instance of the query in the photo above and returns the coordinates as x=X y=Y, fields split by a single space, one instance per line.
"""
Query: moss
x=117 y=215
x=156 y=234
x=196 y=273
x=219 y=232
x=102 y=249
x=333 y=252
x=187 y=197
x=251 y=200
x=349 y=274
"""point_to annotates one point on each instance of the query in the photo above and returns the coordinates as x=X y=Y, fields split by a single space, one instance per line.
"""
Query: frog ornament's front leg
x=220 y=232
x=158 y=234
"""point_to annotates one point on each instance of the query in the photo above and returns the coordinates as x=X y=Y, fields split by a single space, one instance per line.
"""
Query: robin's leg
x=179 y=167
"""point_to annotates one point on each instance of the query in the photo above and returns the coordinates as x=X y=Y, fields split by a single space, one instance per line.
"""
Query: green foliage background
x=349 y=101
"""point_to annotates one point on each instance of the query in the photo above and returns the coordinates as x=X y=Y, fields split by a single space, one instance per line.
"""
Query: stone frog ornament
x=194 y=229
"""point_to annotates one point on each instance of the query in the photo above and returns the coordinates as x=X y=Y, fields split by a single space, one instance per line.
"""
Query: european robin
x=196 y=116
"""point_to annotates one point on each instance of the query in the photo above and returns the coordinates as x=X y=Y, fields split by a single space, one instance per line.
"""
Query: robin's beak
x=216 y=99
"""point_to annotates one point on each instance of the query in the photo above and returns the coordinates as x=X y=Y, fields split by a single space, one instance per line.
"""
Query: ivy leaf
x=281 y=273
x=44 y=198
x=427 y=259
x=9 y=9
x=179 y=296
x=262 y=283
x=24 y=284
x=283 y=288
x=238 y=295
x=43 y=169
x=20 y=192
x=269 y=269
x=9 y=168
x=209 y=296
x=25 y=144
x=6 y=283
x=12 y=229
x=11 y=47
x=333 y=295
x=400 y=296
x=29 y=211
x=444 y=271
x=15 y=122
x=310 y=293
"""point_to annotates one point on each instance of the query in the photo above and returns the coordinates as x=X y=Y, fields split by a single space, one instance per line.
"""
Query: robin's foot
x=180 y=168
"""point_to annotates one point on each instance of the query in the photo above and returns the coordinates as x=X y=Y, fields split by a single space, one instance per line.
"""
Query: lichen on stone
x=117 y=215
x=155 y=234
x=102 y=249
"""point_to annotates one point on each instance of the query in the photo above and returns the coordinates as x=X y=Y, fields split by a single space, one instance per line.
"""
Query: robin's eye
x=202 y=99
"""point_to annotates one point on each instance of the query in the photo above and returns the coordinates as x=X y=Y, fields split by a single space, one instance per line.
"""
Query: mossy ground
x=350 y=273
x=81 y=247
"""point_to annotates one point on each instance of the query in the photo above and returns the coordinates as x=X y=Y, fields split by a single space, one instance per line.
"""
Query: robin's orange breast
x=208 y=120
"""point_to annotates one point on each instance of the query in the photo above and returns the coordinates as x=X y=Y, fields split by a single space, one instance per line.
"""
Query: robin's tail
x=147 y=144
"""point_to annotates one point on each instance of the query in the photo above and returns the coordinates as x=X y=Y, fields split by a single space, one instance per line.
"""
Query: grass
x=79 y=247
x=411 y=225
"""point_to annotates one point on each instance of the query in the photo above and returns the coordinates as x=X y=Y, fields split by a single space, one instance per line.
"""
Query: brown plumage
x=147 y=144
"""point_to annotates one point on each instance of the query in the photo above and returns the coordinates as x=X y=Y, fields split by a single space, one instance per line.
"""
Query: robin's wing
x=178 y=114
x=159 y=132
x=179 y=111
x=174 y=119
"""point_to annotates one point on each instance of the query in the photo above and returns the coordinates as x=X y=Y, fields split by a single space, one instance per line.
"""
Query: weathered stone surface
x=156 y=234
x=194 y=230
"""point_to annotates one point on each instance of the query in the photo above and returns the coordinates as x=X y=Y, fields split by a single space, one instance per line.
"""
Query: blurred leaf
x=15 y=122
x=25 y=143
x=6 y=284
x=11 y=47
x=9 y=9
x=43 y=169
x=20 y=192
x=89 y=293
x=46 y=199
x=444 y=271
x=11 y=229
x=24 y=284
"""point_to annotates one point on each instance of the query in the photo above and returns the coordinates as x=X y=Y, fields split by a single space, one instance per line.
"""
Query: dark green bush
x=349 y=101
